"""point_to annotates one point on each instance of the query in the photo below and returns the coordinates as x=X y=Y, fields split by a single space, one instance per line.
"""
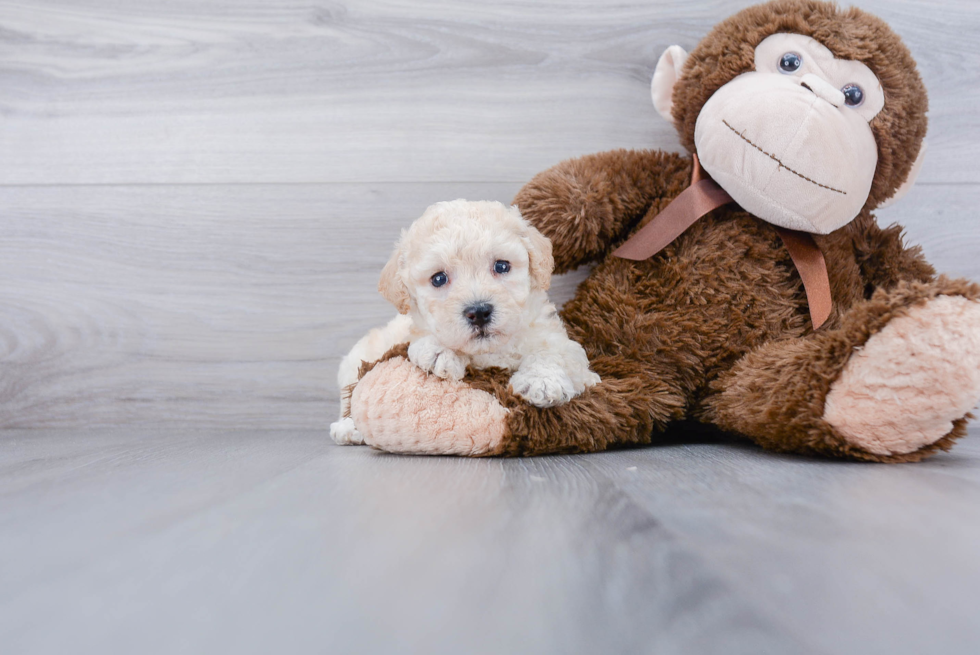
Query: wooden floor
x=196 y=199
x=130 y=541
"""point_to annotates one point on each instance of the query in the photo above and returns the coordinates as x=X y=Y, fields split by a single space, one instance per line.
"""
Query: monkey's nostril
x=822 y=89
x=478 y=314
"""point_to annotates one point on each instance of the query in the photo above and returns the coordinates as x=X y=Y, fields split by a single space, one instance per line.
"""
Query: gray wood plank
x=192 y=304
x=883 y=560
x=227 y=91
x=249 y=541
x=231 y=305
x=219 y=290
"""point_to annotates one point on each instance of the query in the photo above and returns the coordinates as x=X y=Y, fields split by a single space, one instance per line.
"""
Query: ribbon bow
x=703 y=196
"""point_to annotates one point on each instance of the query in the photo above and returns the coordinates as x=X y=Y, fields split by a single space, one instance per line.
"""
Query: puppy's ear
x=391 y=285
x=542 y=263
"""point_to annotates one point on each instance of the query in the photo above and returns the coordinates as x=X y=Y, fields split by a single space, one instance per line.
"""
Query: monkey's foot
x=397 y=407
x=904 y=389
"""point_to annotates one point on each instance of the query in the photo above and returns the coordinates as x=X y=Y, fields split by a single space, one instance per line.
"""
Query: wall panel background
x=196 y=198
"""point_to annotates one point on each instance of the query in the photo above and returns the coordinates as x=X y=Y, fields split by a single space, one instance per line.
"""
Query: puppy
x=469 y=280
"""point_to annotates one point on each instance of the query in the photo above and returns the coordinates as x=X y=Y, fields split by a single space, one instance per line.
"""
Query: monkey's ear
x=391 y=285
x=909 y=180
x=664 y=77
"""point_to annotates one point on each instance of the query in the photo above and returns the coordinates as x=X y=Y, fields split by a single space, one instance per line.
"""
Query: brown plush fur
x=715 y=327
x=776 y=393
x=729 y=50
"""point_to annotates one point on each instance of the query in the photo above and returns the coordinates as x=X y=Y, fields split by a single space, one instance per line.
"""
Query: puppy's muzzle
x=479 y=315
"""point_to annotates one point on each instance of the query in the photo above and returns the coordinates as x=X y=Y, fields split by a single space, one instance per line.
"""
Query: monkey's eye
x=790 y=62
x=853 y=95
x=500 y=267
x=439 y=279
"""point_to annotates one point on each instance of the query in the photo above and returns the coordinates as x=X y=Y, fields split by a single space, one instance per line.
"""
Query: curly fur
x=463 y=241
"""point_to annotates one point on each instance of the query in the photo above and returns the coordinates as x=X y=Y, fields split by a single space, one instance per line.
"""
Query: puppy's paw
x=543 y=386
x=429 y=355
x=344 y=433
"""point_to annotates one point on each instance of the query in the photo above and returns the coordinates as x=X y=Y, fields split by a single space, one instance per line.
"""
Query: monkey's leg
x=398 y=408
x=894 y=383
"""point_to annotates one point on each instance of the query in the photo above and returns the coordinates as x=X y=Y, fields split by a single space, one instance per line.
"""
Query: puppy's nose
x=478 y=314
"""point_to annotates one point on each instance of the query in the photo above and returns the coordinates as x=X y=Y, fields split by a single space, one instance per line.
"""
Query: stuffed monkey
x=806 y=117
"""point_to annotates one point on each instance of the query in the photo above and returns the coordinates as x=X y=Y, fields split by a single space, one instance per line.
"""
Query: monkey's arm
x=884 y=258
x=586 y=205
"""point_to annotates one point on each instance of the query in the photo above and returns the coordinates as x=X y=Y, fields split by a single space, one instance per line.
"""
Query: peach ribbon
x=703 y=196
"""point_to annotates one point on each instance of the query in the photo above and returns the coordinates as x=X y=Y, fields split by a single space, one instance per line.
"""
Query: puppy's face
x=468 y=272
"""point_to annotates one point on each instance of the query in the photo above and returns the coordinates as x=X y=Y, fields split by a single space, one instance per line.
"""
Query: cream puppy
x=469 y=280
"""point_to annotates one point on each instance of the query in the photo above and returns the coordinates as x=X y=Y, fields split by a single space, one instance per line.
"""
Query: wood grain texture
x=196 y=197
x=257 y=542
x=232 y=305
x=233 y=92
x=198 y=305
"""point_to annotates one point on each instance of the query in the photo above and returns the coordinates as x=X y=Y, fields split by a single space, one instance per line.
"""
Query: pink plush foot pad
x=905 y=387
x=400 y=408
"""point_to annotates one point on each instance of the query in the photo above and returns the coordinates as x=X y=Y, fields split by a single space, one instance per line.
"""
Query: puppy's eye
x=439 y=279
x=500 y=267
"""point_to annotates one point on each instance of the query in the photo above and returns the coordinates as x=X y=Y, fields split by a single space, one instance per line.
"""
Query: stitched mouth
x=781 y=164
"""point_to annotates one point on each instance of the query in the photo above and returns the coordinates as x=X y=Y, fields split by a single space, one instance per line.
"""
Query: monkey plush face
x=790 y=140
x=802 y=112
